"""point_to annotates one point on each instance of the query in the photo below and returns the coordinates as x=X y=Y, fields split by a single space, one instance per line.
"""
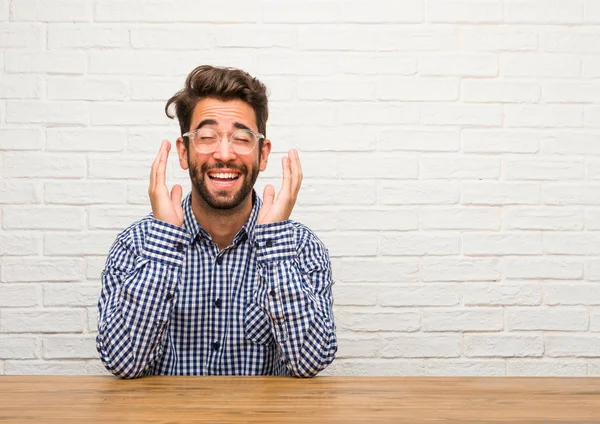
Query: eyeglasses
x=206 y=140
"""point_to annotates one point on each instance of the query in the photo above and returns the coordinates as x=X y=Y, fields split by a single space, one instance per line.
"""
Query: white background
x=451 y=152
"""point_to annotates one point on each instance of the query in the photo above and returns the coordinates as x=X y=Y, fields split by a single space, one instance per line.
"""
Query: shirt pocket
x=257 y=325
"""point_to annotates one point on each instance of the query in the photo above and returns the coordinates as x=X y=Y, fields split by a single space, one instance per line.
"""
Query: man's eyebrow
x=237 y=125
x=241 y=126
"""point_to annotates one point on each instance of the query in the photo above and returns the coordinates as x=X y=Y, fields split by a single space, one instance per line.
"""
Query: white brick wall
x=451 y=151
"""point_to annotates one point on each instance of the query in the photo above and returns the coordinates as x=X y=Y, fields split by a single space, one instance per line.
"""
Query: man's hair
x=223 y=84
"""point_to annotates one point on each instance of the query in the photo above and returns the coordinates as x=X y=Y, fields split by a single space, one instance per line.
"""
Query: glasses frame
x=190 y=135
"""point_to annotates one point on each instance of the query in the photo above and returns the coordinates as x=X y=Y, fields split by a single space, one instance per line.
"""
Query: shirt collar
x=193 y=227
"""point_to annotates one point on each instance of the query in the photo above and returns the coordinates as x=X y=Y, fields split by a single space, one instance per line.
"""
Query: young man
x=219 y=283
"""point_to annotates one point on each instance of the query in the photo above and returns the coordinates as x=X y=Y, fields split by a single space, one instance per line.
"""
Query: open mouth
x=224 y=178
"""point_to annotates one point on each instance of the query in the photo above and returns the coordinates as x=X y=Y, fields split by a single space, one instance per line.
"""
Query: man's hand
x=280 y=209
x=164 y=207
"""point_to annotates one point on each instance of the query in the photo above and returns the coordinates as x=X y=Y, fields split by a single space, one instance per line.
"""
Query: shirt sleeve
x=296 y=274
x=140 y=285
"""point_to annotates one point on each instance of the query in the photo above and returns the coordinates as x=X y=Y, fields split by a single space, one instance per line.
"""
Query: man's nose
x=224 y=151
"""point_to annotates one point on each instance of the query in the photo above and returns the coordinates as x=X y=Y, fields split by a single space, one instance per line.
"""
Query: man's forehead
x=225 y=113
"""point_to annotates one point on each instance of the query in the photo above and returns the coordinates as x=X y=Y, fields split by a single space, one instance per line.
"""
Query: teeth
x=223 y=175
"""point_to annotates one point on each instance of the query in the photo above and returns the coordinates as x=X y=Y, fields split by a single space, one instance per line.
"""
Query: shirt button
x=216 y=345
x=256 y=245
x=272 y=293
x=219 y=260
x=169 y=296
x=269 y=243
x=179 y=247
x=218 y=303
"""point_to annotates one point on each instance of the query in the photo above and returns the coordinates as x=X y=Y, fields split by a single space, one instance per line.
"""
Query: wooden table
x=107 y=400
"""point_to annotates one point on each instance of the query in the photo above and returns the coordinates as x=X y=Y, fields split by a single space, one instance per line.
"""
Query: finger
x=176 y=193
x=268 y=196
x=155 y=166
x=161 y=170
x=286 y=185
x=296 y=169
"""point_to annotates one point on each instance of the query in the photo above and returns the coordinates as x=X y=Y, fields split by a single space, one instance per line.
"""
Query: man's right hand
x=164 y=207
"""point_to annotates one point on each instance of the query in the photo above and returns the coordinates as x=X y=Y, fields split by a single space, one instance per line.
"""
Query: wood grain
x=108 y=400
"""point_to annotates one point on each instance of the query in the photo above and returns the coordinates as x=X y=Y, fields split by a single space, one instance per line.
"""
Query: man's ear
x=182 y=153
x=264 y=154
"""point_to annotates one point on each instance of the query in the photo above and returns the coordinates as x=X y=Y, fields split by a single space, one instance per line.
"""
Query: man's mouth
x=223 y=176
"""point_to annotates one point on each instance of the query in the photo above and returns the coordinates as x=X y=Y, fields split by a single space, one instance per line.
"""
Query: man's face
x=223 y=178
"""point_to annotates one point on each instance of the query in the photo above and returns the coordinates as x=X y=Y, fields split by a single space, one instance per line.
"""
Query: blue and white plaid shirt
x=173 y=304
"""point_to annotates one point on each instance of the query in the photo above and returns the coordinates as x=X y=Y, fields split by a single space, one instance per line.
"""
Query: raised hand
x=164 y=207
x=280 y=209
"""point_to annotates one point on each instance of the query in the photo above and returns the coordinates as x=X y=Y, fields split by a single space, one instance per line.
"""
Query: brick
x=316 y=220
x=498 y=39
x=61 y=367
x=69 y=347
x=19 y=296
x=354 y=295
x=378 y=321
x=378 y=113
x=592 y=117
x=341 y=88
x=572 y=40
x=338 y=39
x=250 y=36
x=87 y=36
x=543 y=11
x=56 y=11
x=471 y=218
x=592 y=270
x=592 y=219
x=500 y=193
x=467 y=11
x=570 y=92
x=463 y=168
x=499 y=345
x=366 y=166
x=593 y=169
x=298 y=115
x=358 y=347
x=591 y=11
x=43 y=165
x=42 y=321
x=60 y=88
x=20 y=87
x=547 y=319
x=295 y=11
x=92 y=320
x=134 y=113
x=565 y=194
x=542 y=218
x=376 y=270
x=338 y=193
x=545 y=368
x=422 y=346
x=418 y=193
x=139 y=62
x=547 y=267
x=21 y=36
x=495 y=244
x=126 y=167
x=148 y=140
x=31 y=112
x=377 y=219
x=462 y=114
x=417 y=89
x=35 y=269
x=571 y=294
x=64 y=244
x=3 y=17
x=419 y=244
x=294 y=63
x=115 y=218
x=460 y=269
x=71 y=294
x=543 y=170
x=594 y=320
x=18 y=347
x=591 y=66
x=403 y=139
x=19 y=192
x=169 y=38
x=386 y=11
x=506 y=294
x=580 y=346
x=48 y=62
x=350 y=244
x=419 y=39
x=94 y=266
x=464 y=368
x=462 y=64
x=539 y=65
x=85 y=140
x=163 y=11
x=413 y=295
x=43 y=218
x=573 y=143
x=377 y=64
x=463 y=320
x=85 y=192
x=17 y=243
x=543 y=116
x=572 y=243
x=21 y=139
x=500 y=91
x=137 y=194
x=501 y=141
x=154 y=89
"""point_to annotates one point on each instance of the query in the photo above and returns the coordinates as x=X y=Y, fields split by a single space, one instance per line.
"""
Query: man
x=219 y=283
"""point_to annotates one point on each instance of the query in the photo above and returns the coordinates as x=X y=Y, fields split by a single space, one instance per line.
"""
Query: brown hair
x=223 y=84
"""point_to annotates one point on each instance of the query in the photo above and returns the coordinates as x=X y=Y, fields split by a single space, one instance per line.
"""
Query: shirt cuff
x=275 y=242
x=166 y=243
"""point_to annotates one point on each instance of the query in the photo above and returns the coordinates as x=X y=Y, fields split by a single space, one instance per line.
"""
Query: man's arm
x=139 y=289
x=296 y=279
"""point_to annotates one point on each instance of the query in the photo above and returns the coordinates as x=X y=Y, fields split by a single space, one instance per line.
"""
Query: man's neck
x=222 y=225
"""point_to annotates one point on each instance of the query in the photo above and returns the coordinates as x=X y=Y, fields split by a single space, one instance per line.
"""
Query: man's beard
x=222 y=201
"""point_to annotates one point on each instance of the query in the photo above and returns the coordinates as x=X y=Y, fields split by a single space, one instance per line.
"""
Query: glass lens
x=207 y=140
x=243 y=141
